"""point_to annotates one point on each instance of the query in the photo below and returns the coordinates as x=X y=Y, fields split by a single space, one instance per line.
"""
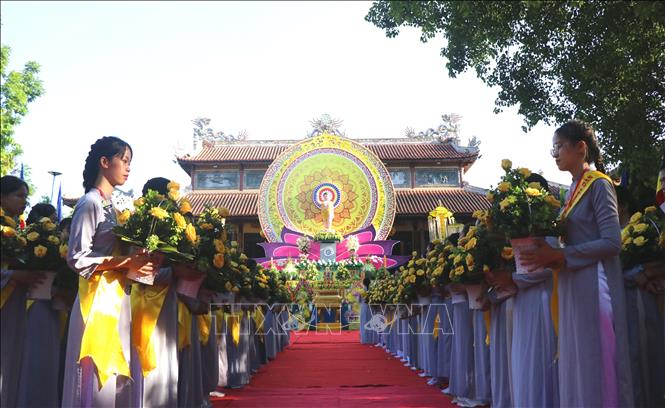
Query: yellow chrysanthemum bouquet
x=160 y=223
x=436 y=267
x=42 y=250
x=212 y=251
x=9 y=239
x=414 y=282
x=522 y=211
x=643 y=239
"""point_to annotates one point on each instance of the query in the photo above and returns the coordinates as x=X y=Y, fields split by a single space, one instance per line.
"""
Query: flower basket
x=190 y=288
x=42 y=290
x=524 y=244
x=474 y=292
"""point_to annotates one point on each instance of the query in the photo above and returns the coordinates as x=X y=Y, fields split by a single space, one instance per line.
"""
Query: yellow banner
x=184 y=326
x=205 y=324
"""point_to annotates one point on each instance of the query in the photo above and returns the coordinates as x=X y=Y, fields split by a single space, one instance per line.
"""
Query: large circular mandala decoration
x=332 y=168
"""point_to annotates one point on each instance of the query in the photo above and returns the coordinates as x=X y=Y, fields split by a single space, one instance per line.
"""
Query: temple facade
x=425 y=172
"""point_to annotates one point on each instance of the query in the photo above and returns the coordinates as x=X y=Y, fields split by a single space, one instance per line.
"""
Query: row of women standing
x=583 y=333
x=123 y=344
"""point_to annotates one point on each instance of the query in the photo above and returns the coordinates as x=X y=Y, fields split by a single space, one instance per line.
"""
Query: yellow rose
x=459 y=270
x=9 y=221
x=458 y=259
x=470 y=262
x=486 y=268
x=639 y=241
x=471 y=244
x=234 y=244
x=549 y=199
x=420 y=272
x=174 y=195
x=49 y=226
x=535 y=184
x=44 y=220
x=218 y=261
x=636 y=217
x=507 y=253
x=661 y=240
x=54 y=240
x=22 y=241
x=63 y=251
x=185 y=207
x=207 y=226
x=139 y=202
x=190 y=233
x=159 y=213
x=504 y=186
x=650 y=210
x=490 y=197
x=524 y=171
x=504 y=204
x=123 y=217
x=40 y=251
x=228 y=286
x=223 y=211
x=243 y=257
x=506 y=164
x=179 y=220
x=219 y=245
x=627 y=241
x=2 y=212
x=8 y=232
x=532 y=192
x=640 y=228
x=33 y=236
x=173 y=185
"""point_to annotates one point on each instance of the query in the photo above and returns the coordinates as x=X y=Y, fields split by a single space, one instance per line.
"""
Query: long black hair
x=107 y=146
x=11 y=184
x=577 y=131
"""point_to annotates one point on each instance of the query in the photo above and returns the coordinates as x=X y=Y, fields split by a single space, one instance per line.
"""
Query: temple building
x=426 y=172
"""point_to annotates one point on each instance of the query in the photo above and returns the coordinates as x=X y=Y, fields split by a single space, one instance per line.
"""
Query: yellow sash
x=582 y=187
x=219 y=320
x=63 y=317
x=259 y=319
x=184 y=326
x=205 y=323
x=147 y=302
x=101 y=300
x=233 y=323
x=554 y=302
x=7 y=291
x=436 y=327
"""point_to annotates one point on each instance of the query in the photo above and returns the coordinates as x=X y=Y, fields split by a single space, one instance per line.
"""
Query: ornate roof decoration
x=325 y=124
x=208 y=137
x=448 y=131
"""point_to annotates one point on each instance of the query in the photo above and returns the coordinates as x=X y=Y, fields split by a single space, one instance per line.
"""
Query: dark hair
x=107 y=146
x=65 y=223
x=625 y=198
x=537 y=178
x=159 y=184
x=11 y=184
x=453 y=238
x=366 y=282
x=577 y=131
x=40 y=211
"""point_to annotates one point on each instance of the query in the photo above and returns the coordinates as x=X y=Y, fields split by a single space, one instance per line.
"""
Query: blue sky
x=143 y=70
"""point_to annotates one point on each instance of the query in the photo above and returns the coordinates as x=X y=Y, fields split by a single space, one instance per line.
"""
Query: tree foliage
x=17 y=90
x=599 y=61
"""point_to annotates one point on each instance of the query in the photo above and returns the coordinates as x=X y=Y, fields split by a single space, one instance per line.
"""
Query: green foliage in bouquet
x=643 y=239
x=328 y=236
x=159 y=223
x=520 y=209
x=42 y=250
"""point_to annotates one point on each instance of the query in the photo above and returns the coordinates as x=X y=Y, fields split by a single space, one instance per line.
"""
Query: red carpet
x=334 y=370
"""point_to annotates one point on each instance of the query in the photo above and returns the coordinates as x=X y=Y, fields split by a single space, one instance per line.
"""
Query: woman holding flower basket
x=97 y=365
x=14 y=284
x=594 y=366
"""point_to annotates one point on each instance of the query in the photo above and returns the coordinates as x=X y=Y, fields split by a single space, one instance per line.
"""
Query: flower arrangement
x=260 y=283
x=342 y=273
x=520 y=209
x=328 y=236
x=160 y=223
x=42 y=250
x=211 y=254
x=352 y=243
x=436 y=263
x=382 y=290
x=643 y=239
x=413 y=279
x=485 y=247
x=11 y=241
x=304 y=244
